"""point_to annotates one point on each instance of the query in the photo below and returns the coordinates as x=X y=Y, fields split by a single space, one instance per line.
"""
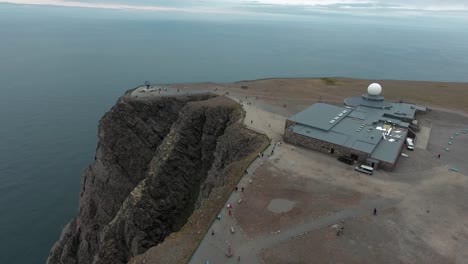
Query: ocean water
x=62 y=68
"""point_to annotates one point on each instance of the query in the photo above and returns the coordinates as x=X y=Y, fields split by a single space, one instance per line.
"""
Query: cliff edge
x=157 y=160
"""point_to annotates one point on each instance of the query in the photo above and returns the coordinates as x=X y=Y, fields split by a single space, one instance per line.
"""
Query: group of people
x=278 y=143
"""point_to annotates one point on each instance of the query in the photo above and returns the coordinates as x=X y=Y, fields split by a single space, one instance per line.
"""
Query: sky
x=226 y=6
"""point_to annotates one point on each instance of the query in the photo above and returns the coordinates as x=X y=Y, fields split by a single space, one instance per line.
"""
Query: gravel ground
x=421 y=205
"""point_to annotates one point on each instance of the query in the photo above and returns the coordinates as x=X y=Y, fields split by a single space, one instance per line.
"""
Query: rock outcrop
x=157 y=159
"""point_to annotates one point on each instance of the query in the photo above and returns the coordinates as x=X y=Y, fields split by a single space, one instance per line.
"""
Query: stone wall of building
x=322 y=146
x=386 y=165
x=326 y=147
x=289 y=123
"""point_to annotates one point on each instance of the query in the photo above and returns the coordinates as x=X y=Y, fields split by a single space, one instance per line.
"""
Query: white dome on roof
x=374 y=89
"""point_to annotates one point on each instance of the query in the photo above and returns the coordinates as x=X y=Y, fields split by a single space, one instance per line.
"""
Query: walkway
x=423 y=137
x=213 y=247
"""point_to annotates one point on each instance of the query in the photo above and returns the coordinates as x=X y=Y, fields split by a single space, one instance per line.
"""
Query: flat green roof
x=356 y=128
x=348 y=132
x=388 y=151
x=320 y=115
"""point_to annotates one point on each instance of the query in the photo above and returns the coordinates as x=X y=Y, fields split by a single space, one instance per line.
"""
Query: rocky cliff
x=157 y=159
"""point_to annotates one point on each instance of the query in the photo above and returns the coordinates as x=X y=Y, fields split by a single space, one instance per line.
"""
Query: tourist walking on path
x=438 y=156
x=242 y=189
x=375 y=211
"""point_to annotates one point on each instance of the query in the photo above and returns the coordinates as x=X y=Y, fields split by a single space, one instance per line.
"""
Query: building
x=367 y=128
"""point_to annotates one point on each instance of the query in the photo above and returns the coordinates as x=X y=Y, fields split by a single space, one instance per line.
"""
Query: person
x=212 y=232
x=338 y=228
x=375 y=211
x=236 y=188
x=251 y=121
x=242 y=189
x=262 y=155
x=340 y=231
x=438 y=156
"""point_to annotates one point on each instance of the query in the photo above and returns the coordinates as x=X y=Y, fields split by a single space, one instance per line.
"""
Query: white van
x=409 y=144
x=364 y=169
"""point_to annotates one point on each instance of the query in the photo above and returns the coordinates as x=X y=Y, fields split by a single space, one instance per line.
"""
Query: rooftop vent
x=332 y=121
x=344 y=111
x=340 y=114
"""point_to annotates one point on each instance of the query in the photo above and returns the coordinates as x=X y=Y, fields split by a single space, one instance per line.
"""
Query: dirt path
x=213 y=248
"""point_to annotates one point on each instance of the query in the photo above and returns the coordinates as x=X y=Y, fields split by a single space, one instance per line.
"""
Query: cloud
x=432 y=5
x=115 y=5
x=235 y=6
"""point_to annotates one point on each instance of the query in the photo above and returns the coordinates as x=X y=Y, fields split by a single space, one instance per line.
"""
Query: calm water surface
x=62 y=68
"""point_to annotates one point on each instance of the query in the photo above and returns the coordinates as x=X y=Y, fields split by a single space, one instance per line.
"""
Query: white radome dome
x=374 y=89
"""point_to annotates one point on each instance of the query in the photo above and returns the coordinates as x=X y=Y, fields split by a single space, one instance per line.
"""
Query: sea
x=62 y=68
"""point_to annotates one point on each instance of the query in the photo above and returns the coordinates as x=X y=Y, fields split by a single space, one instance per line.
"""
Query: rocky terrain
x=157 y=160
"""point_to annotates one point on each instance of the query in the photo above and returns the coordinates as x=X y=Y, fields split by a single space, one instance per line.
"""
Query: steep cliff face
x=155 y=161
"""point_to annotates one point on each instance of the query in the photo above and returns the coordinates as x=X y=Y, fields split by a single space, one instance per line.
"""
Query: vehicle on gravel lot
x=346 y=160
x=410 y=143
x=364 y=169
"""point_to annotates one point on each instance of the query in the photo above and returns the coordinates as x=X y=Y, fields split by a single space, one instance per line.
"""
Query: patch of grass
x=329 y=81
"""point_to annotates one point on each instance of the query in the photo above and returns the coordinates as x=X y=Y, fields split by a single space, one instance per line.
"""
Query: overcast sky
x=226 y=5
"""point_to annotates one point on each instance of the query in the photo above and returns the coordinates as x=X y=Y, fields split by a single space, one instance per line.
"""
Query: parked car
x=410 y=143
x=364 y=169
x=346 y=160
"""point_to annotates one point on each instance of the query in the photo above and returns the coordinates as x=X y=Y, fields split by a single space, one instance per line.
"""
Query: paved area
x=448 y=140
x=423 y=137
